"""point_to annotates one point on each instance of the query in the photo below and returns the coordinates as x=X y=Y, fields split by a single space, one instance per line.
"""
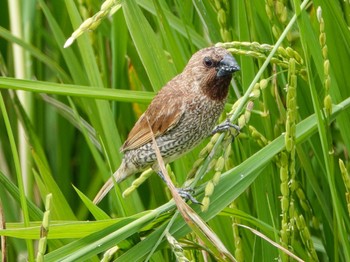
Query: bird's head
x=212 y=68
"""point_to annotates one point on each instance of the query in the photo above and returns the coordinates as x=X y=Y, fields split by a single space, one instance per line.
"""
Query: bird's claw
x=225 y=126
x=186 y=193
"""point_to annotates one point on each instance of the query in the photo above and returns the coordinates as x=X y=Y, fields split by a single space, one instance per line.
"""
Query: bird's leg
x=225 y=126
x=185 y=193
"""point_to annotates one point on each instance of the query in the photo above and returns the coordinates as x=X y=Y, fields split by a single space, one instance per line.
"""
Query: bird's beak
x=228 y=65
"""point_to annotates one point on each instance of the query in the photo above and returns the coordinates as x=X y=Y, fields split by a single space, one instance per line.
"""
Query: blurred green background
x=66 y=111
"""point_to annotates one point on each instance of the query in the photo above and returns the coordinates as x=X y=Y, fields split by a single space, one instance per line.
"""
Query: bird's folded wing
x=162 y=117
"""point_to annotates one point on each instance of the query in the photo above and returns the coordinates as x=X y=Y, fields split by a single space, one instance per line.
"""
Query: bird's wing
x=163 y=114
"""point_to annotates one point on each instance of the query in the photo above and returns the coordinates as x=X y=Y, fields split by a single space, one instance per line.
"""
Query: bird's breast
x=202 y=114
x=196 y=123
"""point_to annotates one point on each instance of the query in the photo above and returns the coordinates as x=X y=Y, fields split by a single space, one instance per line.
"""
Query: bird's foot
x=186 y=193
x=225 y=126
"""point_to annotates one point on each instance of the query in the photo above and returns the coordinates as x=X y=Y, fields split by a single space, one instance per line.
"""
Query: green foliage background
x=80 y=102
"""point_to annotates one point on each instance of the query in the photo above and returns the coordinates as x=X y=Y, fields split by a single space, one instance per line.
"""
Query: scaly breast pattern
x=195 y=124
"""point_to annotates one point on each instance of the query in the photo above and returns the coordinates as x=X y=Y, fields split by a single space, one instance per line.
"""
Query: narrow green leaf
x=75 y=90
x=153 y=58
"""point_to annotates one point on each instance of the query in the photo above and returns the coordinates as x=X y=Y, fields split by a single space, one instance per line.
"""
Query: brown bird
x=181 y=115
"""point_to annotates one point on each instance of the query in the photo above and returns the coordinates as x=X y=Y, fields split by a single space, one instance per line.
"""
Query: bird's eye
x=208 y=62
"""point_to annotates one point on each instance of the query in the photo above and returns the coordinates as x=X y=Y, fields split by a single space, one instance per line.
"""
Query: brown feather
x=163 y=114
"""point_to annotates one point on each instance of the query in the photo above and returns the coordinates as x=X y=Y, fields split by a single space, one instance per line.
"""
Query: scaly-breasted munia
x=181 y=115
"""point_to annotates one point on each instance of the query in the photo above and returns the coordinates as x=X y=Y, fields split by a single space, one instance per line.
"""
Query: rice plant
x=75 y=77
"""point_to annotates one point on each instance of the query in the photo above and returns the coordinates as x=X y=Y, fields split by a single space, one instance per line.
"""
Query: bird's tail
x=117 y=177
x=104 y=190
